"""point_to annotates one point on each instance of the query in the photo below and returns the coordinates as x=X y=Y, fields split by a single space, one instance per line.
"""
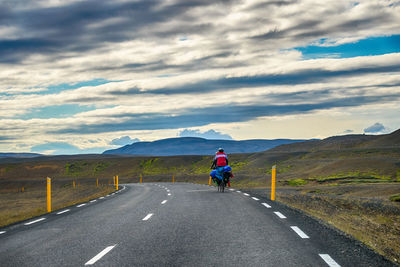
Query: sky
x=86 y=76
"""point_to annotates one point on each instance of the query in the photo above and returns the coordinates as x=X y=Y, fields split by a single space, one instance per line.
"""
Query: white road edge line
x=148 y=216
x=169 y=194
x=81 y=205
x=64 y=211
x=101 y=197
x=2 y=232
x=165 y=201
x=256 y=199
x=238 y=191
x=231 y=189
x=246 y=194
x=35 y=221
x=280 y=215
x=299 y=232
x=94 y=200
x=100 y=255
x=329 y=260
x=266 y=205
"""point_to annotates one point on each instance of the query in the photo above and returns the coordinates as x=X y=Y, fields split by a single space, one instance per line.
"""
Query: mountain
x=19 y=155
x=352 y=141
x=197 y=146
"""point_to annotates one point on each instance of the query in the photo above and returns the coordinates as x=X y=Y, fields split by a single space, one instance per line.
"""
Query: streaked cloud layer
x=78 y=75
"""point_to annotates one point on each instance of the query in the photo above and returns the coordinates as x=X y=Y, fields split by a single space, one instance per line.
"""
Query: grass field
x=362 y=211
x=24 y=199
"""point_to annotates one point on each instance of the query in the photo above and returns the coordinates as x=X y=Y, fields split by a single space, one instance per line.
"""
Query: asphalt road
x=179 y=225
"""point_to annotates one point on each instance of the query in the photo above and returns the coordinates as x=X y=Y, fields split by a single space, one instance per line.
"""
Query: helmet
x=220 y=150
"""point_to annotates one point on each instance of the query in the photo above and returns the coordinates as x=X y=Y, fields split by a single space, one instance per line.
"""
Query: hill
x=19 y=155
x=197 y=146
x=345 y=142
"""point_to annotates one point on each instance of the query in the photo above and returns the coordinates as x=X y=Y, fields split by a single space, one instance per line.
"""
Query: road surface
x=179 y=224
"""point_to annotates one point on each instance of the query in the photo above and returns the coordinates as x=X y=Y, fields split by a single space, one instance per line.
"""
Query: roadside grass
x=17 y=206
x=395 y=197
x=355 y=176
x=297 y=182
x=375 y=223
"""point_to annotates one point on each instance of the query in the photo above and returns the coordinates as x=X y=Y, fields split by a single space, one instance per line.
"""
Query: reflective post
x=48 y=194
x=273 y=180
x=117 y=182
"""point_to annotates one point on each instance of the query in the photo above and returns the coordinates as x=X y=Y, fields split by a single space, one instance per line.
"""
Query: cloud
x=123 y=140
x=75 y=69
x=210 y=134
x=375 y=128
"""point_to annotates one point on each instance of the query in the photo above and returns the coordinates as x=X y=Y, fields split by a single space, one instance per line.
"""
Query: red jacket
x=222 y=159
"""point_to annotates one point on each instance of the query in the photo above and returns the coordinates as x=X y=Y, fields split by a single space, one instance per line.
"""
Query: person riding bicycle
x=219 y=162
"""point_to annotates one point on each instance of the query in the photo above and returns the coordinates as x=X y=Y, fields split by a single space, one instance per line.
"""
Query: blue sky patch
x=60 y=111
x=367 y=47
x=65 y=86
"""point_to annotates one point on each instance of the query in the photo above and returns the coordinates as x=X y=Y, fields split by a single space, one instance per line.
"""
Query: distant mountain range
x=197 y=146
x=19 y=155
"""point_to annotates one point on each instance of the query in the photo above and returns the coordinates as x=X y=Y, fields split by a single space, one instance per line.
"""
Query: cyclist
x=219 y=162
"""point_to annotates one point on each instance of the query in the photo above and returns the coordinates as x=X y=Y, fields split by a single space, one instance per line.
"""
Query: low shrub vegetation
x=395 y=197
x=297 y=182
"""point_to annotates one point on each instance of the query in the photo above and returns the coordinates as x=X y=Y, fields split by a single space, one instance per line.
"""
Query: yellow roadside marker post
x=73 y=183
x=209 y=181
x=48 y=194
x=141 y=179
x=173 y=179
x=273 y=180
x=117 y=182
x=114 y=180
x=23 y=189
x=97 y=182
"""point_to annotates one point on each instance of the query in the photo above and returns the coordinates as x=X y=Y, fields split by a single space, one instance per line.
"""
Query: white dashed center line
x=64 y=211
x=35 y=221
x=280 y=215
x=256 y=199
x=81 y=205
x=238 y=191
x=329 y=260
x=266 y=205
x=147 y=217
x=299 y=232
x=246 y=194
x=169 y=194
x=100 y=255
x=2 y=232
x=165 y=201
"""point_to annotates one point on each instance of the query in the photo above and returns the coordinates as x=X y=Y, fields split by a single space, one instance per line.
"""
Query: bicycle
x=221 y=185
